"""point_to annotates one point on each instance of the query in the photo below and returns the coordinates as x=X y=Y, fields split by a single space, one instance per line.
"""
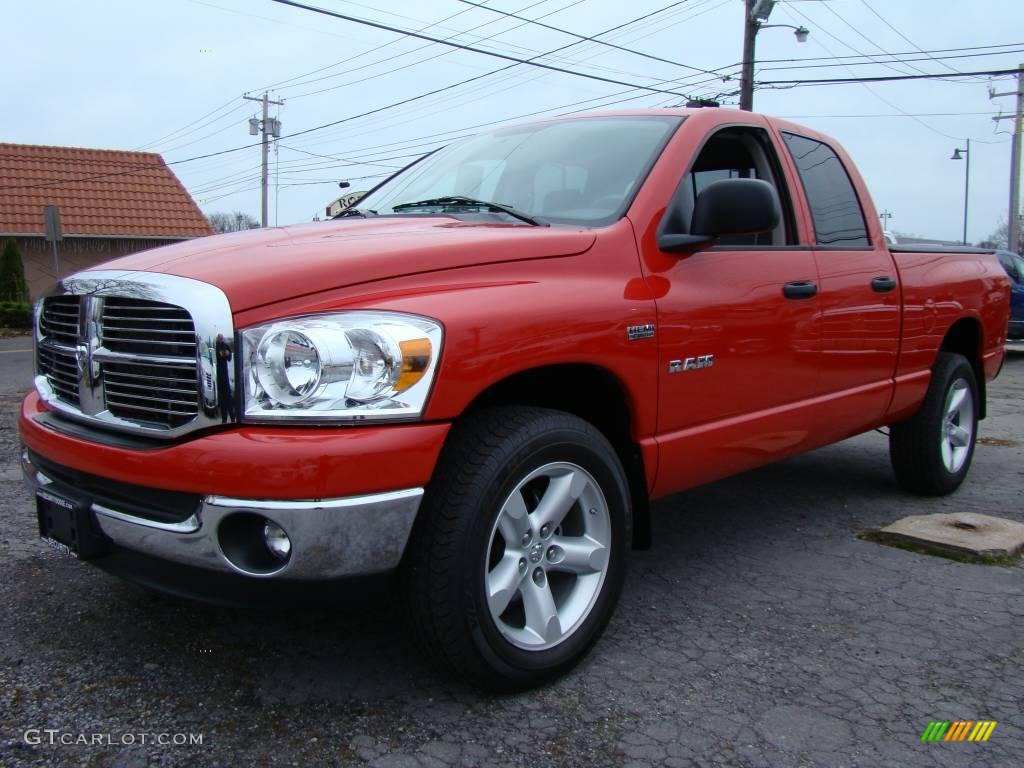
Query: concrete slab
x=965 y=534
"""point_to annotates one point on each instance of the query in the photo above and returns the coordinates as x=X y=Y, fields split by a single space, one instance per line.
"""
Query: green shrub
x=12 y=274
x=15 y=314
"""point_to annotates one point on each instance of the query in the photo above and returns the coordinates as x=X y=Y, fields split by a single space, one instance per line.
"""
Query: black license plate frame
x=67 y=524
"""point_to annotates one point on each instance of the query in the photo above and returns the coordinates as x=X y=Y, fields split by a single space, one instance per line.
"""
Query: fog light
x=278 y=543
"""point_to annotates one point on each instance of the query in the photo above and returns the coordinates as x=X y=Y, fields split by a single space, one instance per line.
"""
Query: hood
x=262 y=266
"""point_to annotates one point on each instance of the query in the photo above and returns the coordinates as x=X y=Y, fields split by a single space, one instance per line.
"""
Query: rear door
x=859 y=295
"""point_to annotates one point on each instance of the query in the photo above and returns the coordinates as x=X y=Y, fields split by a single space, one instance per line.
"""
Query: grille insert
x=60 y=367
x=167 y=395
x=140 y=327
x=59 y=321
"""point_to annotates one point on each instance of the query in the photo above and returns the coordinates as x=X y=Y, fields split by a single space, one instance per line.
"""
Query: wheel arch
x=595 y=395
x=966 y=337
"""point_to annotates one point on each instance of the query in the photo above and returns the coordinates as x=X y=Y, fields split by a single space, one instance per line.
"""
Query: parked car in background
x=1014 y=265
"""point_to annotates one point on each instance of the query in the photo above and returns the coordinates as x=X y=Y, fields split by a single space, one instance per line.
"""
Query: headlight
x=348 y=365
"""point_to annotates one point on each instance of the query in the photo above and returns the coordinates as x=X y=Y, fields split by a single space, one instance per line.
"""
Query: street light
x=757 y=13
x=958 y=154
x=800 y=32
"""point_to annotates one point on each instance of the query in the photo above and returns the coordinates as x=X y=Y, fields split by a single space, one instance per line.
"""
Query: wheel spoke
x=503 y=583
x=514 y=520
x=562 y=492
x=581 y=555
x=541 y=612
x=956 y=401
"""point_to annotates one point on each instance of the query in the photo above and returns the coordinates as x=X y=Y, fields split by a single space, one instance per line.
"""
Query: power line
x=589 y=39
x=420 y=62
x=472 y=49
x=856 y=31
x=184 y=127
x=903 y=36
x=889 y=114
x=864 y=81
x=887 y=78
x=480 y=38
x=339 y=159
x=1012 y=51
x=896 y=53
x=383 y=108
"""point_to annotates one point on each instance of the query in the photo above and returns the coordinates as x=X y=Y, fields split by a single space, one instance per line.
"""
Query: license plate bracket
x=67 y=524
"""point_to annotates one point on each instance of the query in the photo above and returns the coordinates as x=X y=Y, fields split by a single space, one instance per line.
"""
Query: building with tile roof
x=111 y=203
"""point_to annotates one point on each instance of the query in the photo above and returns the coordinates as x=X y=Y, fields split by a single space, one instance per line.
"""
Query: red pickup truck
x=481 y=376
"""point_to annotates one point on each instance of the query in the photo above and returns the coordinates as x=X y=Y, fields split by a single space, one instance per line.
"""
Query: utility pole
x=750 y=25
x=267 y=126
x=755 y=14
x=1013 y=221
x=967 y=186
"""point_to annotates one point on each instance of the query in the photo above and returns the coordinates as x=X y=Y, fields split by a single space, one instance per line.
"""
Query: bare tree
x=1000 y=239
x=232 y=222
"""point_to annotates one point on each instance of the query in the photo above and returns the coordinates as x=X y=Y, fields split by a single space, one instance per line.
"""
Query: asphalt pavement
x=15 y=363
x=759 y=631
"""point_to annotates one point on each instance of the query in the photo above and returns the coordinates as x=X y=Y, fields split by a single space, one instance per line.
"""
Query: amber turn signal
x=415 y=359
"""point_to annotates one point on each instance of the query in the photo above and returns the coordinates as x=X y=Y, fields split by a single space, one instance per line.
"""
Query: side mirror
x=726 y=207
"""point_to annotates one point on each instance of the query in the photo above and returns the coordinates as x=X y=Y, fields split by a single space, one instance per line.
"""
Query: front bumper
x=330 y=538
x=347 y=498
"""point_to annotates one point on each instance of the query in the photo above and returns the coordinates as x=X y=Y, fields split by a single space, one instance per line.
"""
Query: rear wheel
x=518 y=555
x=931 y=452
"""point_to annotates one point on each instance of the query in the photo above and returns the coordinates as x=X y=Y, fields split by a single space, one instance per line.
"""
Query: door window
x=740 y=153
x=835 y=208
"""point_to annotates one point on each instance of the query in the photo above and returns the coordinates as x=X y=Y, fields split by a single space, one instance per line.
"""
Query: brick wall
x=74 y=254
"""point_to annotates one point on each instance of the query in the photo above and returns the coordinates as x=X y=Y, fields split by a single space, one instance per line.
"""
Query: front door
x=738 y=332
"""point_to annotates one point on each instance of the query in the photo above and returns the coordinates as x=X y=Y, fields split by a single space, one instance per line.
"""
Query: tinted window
x=835 y=209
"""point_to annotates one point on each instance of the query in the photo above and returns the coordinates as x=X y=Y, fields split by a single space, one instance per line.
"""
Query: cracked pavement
x=758 y=631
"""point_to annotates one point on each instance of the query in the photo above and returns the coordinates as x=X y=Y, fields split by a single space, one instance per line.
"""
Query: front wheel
x=518 y=556
x=931 y=452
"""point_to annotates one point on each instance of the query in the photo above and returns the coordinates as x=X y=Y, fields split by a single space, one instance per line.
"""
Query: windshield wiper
x=459 y=201
x=363 y=212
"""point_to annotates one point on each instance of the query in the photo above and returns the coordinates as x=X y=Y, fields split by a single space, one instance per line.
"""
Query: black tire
x=485 y=459
x=916 y=445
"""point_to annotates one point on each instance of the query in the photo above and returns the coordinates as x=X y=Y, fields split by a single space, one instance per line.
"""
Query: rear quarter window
x=835 y=208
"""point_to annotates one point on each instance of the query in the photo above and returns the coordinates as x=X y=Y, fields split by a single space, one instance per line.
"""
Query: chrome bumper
x=330 y=538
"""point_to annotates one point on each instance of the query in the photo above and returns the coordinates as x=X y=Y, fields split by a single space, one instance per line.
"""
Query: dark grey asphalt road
x=760 y=631
x=15 y=364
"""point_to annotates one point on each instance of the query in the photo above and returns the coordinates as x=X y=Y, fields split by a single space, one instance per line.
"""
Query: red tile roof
x=99 y=191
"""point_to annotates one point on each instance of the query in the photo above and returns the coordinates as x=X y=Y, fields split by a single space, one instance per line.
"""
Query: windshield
x=583 y=171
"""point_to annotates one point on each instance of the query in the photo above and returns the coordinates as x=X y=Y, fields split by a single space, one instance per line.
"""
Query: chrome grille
x=60 y=367
x=140 y=327
x=163 y=394
x=143 y=391
x=135 y=351
x=59 y=320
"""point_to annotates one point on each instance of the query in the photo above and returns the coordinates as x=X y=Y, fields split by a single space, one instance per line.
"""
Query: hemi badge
x=635 y=332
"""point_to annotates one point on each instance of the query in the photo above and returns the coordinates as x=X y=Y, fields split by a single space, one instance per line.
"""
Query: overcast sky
x=169 y=76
